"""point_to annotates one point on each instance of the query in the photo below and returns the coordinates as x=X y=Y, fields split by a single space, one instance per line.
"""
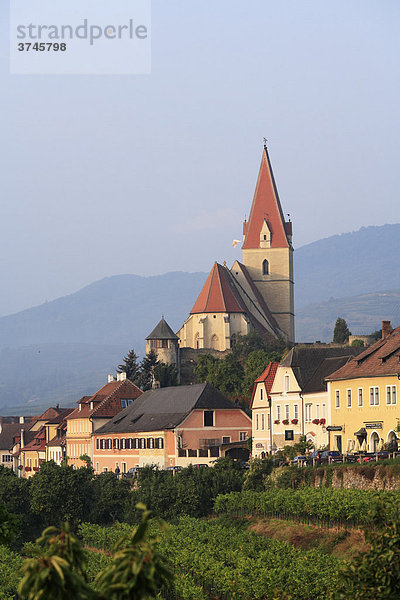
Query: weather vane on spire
x=265 y=142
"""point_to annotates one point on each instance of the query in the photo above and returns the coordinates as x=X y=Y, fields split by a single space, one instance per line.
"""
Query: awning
x=361 y=432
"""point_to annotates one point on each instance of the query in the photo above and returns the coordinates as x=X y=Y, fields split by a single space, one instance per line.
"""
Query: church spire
x=266 y=227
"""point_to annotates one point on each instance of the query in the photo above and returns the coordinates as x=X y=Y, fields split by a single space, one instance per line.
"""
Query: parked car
x=199 y=466
x=300 y=459
x=132 y=472
x=173 y=469
x=314 y=457
x=330 y=456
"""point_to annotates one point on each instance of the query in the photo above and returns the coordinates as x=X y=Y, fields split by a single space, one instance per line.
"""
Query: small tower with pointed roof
x=164 y=342
x=267 y=250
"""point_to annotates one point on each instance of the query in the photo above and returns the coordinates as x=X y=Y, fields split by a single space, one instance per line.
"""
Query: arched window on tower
x=214 y=342
x=265 y=267
x=197 y=341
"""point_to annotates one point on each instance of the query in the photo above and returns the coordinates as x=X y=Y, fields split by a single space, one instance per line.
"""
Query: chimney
x=121 y=376
x=22 y=441
x=110 y=378
x=386 y=329
x=22 y=420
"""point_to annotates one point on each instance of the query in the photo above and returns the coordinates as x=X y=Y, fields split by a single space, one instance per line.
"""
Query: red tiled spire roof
x=266 y=207
x=218 y=294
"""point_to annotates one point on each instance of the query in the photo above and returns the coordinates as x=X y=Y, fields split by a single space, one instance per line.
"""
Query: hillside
x=363 y=313
x=347 y=265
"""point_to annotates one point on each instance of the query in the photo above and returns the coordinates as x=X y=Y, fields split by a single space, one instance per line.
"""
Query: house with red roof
x=260 y=406
x=95 y=411
x=255 y=294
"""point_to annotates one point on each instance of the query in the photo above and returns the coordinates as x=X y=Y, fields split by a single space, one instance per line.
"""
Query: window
x=324 y=411
x=97 y=443
x=262 y=421
x=116 y=444
x=136 y=443
x=308 y=412
x=150 y=443
x=278 y=413
x=257 y=422
x=123 y=444
x=317 y=411
x=374 y=396
x=269 y=420
x=226 y=440
x=295 y=411
x=337 y=399
x=360 y=397
x=390 y=394
x=243 y=436
x=109 y=444
x=126 y=402
x=286 y=384
x=348 y=398
x=265 y=265
x=158 y=343
x=160 y=443
x=261 y=393
x=287 y=412
x=208 y=418
x=142 y=443
x=123 y=467
x=6 y=458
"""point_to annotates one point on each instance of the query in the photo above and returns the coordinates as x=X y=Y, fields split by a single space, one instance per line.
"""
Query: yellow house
x=363 y=395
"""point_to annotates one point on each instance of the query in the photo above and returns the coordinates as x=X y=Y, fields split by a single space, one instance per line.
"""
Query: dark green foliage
x=10 y=563
x=58 y=569
x=257 y=474
x=61 y=494
x=375 y=574
x=191 y=491
x=145 y=379
x=166 y=375
x=341 y=332
x=357 y=344
x=111 y=498
x=235 y=375
x=130 y=366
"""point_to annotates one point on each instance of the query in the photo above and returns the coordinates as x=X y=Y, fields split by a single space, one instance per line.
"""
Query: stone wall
x=362 y=477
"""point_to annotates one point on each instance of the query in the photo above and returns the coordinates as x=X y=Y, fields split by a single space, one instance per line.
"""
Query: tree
x=357 y=344
x=341 y=332
x=147 y=367
x=257 y=474
x=243 y=345
x=256 y=363
x=61 y=494
x=130 y=366
x=166 y=375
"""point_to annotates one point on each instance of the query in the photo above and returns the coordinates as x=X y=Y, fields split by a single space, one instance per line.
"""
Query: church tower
x=267 y=249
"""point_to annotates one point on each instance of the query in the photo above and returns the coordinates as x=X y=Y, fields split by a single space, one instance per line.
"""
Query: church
x=255 y=294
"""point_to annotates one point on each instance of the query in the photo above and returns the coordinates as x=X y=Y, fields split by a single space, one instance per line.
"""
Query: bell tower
x=267 y=249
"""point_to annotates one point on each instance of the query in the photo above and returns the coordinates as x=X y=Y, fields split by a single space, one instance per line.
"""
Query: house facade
x=364 y=397
x=297 y=403
x=93 y=412
x=173 y=426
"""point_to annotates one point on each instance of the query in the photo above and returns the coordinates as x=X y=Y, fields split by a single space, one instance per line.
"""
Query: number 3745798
x=42 y=47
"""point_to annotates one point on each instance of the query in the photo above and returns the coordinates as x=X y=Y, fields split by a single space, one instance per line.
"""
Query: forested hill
x=348 y=265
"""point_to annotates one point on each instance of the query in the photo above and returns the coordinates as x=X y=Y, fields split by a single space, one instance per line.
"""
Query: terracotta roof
x=382 y=358
x=267 y=377
x=162 y=331
x=107 y=400
x=38 y=443
x=61 y=417
x=266 y=207
x=218 y=294
x=166 y=408
x=57 y=441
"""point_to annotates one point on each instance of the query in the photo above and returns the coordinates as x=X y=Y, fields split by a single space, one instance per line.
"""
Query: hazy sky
x=146 y=174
